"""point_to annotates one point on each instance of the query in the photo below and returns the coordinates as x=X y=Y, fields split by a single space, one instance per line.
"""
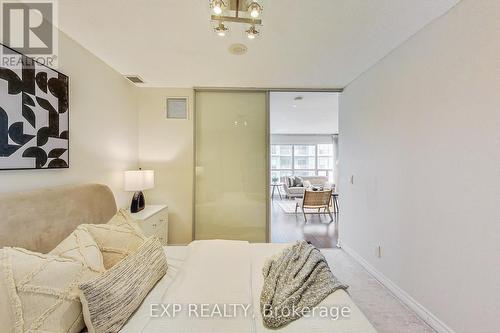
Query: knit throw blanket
x=295 y=281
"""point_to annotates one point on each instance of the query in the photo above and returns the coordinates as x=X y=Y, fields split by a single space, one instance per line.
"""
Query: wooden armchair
x=315 y=200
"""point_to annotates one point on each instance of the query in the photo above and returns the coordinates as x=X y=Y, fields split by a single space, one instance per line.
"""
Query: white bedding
x=227 y=272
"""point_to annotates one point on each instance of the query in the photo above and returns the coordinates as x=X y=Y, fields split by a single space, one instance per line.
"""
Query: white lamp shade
x=139 y=180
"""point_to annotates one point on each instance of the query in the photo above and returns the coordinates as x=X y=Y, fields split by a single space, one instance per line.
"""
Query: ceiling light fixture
x=221 y=29
x=217 y=6
x=254 y=9
x=252 y=32
x=236 y=11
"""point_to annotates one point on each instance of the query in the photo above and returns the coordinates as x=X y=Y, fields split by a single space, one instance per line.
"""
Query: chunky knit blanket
x=295 y=281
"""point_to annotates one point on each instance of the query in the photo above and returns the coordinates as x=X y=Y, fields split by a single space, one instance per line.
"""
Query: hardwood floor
x=288 y=228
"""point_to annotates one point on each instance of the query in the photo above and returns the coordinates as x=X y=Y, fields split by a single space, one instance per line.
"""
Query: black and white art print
x=34 y=115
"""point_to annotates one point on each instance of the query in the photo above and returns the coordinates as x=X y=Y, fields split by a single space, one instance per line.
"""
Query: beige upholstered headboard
x=40 y=219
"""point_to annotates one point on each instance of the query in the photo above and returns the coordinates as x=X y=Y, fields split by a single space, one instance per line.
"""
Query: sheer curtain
x=335 y=141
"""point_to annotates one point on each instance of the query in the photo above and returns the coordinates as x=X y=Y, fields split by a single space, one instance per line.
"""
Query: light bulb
x=252 y=32
x=221 y=29
x=255 y=9
x=217 y=9
x=217 y=6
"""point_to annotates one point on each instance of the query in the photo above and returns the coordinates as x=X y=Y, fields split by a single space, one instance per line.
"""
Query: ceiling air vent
x=134 y=78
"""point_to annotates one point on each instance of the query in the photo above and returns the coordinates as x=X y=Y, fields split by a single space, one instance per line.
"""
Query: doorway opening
x=303 y=167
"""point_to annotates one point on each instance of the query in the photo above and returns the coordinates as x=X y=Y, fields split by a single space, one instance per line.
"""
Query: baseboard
x=399 y=293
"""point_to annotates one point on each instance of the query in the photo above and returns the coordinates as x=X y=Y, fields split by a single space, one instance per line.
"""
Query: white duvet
x=214 y=286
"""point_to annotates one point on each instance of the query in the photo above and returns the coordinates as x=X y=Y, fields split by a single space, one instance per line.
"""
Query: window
x=302 y=160
x=281 y=162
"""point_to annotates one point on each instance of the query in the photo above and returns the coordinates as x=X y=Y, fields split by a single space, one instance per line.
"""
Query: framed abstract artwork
x=34 y=114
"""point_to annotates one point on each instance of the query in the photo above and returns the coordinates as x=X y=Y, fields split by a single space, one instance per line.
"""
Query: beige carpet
x=386 y=313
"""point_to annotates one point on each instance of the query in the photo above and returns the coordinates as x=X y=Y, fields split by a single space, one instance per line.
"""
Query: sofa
x=297 y=192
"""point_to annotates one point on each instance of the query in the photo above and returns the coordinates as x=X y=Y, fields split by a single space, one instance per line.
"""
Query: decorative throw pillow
x=115 y=242
x=81 y=246
x=298 y=182
x=123 y=218
x=111 y=298
x=39 y=292
x=291 y=181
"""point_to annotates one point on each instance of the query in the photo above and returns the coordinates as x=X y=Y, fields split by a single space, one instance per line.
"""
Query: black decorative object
x=138 y=202
x=34 y=114
x=137 y=181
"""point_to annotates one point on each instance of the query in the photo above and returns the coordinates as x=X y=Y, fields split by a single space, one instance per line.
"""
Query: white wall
x=316 y=113
x=166 y=146
x=103 y=127
x=421 y=133
x=284 y=139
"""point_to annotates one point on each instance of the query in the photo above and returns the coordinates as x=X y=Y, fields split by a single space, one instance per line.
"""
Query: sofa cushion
x=296 y=190
x=316 y=180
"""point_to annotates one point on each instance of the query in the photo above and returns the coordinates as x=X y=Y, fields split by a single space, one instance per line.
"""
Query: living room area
x=304 y=167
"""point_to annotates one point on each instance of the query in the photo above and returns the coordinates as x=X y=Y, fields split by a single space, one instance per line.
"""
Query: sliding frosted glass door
x=231 y=164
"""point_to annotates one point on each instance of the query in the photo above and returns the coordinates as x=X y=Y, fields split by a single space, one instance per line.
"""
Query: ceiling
x=315 y=113
x=320 y=43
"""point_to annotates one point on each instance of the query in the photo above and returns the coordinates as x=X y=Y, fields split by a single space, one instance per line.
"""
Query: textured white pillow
x=115 y=242
x=111 y=298
x=39 y=292
x=123 y=218
x=81 y=246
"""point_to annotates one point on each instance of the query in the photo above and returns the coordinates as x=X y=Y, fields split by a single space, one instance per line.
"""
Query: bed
x=203 y=277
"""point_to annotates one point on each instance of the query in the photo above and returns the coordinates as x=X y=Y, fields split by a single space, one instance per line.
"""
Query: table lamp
x=137 y=181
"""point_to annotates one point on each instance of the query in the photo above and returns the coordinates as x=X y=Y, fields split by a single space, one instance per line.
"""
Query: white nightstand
x=153 y=220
